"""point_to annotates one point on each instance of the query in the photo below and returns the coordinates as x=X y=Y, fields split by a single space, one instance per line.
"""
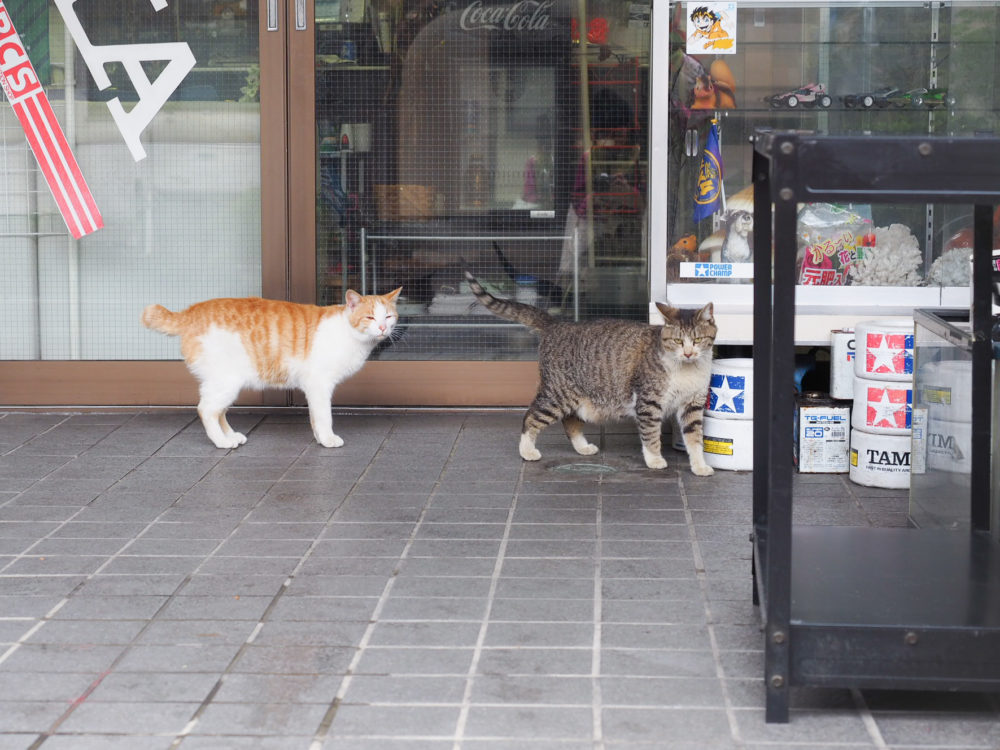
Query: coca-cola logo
x=526 y=15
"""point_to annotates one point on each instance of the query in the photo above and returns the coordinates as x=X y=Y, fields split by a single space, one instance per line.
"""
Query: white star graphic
x=885 y=410
x=699 y=270
x=725 y=395
x=884 y=355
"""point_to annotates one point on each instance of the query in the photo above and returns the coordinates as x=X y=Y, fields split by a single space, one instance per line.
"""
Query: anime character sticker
x=711 y=28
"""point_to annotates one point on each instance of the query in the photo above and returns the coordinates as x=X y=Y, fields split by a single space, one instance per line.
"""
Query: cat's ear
x=668 y=312
x=394 y=293
x=707 y=314
x=353 y=299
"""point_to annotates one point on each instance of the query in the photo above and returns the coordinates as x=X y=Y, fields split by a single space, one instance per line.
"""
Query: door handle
x=272 y=15
x=300 y=15
x=691 y=142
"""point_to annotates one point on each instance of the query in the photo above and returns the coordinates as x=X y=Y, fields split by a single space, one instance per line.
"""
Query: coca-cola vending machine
x=486 y=110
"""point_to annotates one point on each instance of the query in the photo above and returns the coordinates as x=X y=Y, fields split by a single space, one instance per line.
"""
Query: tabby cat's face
x=373 y=315
x=687 y=335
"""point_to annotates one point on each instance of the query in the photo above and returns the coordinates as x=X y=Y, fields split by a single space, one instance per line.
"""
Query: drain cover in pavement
x=587 y=468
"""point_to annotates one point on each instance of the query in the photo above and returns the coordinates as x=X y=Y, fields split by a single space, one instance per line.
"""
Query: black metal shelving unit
x=858 y=607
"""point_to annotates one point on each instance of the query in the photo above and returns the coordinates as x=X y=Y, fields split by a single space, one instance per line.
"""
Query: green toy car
x=921 y=97
x=930 y=98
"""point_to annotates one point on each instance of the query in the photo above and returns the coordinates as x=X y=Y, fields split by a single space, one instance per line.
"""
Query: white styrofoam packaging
x=883 y=350
x=994 y=307
x=880 y=460
x=842 y=363
x=822 y=435
x=728 y=443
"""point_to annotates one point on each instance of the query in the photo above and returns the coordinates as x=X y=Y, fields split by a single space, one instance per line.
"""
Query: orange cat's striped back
x=232 y=343
x=272 y=331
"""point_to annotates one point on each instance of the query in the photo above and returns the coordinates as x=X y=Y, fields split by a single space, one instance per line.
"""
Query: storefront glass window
x=169 y=145
x=508 y=137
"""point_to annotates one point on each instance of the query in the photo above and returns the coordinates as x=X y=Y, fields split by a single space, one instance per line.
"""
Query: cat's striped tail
x=509 y=309
x=161 y=319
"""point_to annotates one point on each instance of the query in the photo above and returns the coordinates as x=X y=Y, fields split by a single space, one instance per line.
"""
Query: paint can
x=880 y=460
x=884 y=350
x=822 y=434
x=728 y=443
x=842 y=363
x=882 y=406
x=730 y=392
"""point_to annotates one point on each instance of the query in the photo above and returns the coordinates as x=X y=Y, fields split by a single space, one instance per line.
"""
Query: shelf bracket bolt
x=777 y=682
x=924 y=149
x=778 y=637
x=786 y=194
x=911 y=638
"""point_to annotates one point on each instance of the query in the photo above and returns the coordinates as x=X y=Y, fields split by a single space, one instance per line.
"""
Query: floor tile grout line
x=87 y=577
x=702 y=577
x=282 y=589
x=61 y=422
x=69 y=520
x=597 y=696
x=871 y=726
x=38 y=623
x=322 y=731
x=79 y=701
x=43 y=736
x=480 y=645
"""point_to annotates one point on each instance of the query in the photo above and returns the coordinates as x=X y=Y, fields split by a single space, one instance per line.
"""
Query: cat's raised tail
x=517 y=311
x=161 y=319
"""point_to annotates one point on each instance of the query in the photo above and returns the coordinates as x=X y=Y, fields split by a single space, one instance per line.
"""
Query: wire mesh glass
x=488 y=137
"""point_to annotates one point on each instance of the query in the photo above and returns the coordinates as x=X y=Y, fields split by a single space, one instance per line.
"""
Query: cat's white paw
x=703 y=471
x=656 y=462
x=330 y=441
x=587 y=449
x=239 y=437
x=528 y=450
x=229 y=441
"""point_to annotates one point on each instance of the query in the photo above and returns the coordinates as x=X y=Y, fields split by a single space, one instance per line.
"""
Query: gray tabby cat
x=603 y=370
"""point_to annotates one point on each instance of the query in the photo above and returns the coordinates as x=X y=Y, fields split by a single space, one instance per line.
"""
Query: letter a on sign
x=152 y=94
x=48 y=143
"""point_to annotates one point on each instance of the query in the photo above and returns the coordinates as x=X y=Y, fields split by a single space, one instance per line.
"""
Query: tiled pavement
x=420 y=588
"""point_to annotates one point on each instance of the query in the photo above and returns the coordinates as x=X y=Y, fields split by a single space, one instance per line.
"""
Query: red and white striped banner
x=45 y=136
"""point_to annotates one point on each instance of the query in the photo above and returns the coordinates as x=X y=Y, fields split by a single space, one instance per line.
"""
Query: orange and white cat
x=231 y=344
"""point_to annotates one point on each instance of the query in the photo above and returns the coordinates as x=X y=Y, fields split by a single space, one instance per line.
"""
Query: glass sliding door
x=492 y=135
x=161 y=108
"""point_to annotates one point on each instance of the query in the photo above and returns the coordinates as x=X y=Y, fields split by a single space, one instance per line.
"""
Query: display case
x=839 y=68
x=873 y=607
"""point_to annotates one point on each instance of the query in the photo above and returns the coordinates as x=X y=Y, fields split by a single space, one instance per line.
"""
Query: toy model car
x=930 y=98
x=810 y=95
x=879 y=98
